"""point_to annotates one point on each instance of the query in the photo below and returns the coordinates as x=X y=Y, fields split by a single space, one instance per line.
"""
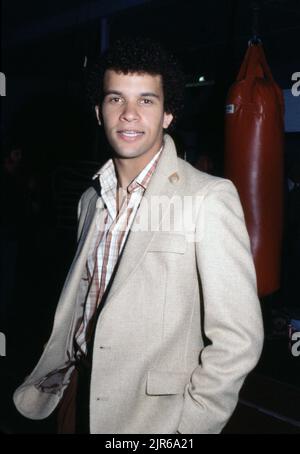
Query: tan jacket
x=152 y=370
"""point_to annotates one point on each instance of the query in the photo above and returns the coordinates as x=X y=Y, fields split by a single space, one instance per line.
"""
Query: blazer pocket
x=165 y=383
x=168 y=242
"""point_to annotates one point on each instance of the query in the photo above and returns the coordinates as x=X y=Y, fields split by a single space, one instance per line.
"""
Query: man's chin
x=125 y=151
x=124 y=154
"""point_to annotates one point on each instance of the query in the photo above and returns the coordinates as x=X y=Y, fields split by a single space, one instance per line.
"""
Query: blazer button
x=174 y=178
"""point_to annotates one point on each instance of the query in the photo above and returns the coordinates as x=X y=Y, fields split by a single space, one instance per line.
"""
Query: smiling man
x=133 y=119
x=155 y=330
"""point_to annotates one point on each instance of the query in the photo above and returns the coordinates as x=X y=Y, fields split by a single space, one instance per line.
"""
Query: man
x=159 y=313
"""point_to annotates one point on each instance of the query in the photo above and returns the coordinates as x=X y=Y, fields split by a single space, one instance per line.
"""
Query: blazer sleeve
x=232 y=314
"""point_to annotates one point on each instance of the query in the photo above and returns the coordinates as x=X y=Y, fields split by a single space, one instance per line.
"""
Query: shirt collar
x=108 y=180
x=143 y=178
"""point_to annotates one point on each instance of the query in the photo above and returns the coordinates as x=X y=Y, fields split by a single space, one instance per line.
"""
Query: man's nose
x=129 y=112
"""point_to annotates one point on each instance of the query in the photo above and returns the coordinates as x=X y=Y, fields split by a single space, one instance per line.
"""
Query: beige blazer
x=181 y=327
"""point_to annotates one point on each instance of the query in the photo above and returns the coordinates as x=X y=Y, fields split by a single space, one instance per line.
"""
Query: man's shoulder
x=196 y=181
x=88 y=194
x=84 y=202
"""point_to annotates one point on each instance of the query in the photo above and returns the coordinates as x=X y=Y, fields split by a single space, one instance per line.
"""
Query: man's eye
x=115 y=100
x=146 y=101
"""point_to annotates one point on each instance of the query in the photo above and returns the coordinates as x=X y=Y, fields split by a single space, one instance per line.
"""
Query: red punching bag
x=254 y=135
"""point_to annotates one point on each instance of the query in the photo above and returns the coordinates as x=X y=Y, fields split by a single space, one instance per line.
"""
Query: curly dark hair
x=140 y=55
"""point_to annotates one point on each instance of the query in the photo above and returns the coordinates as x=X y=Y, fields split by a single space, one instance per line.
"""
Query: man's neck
x=128 y=169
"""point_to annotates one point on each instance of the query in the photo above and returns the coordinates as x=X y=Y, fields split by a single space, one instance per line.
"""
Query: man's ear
x=168 y=118
x=97 y=110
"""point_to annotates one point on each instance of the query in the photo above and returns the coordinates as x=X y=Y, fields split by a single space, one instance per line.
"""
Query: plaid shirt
x=109 y=240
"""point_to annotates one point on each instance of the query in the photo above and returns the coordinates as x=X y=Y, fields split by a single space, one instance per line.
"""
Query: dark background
x=45 y=48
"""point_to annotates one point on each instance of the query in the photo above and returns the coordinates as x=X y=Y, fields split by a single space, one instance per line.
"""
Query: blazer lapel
x=162 y=183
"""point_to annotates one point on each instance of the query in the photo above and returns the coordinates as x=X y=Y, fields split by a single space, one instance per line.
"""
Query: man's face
x=133 y=114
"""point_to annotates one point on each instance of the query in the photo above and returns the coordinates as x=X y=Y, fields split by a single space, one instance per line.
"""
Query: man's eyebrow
x=148 y=94
x=119 y=93
x=112 y=92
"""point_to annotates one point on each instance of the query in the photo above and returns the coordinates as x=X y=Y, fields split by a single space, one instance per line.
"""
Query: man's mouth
x=130 y=134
